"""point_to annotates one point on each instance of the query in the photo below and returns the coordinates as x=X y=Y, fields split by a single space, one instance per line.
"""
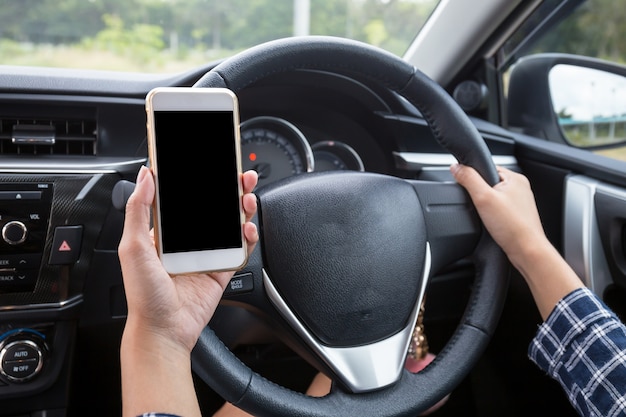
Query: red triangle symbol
x=65 y=247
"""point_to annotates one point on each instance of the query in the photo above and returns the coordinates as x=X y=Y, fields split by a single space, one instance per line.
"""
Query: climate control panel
x=22 y=354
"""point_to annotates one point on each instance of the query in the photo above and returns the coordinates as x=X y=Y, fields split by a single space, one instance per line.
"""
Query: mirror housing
x=569 y=99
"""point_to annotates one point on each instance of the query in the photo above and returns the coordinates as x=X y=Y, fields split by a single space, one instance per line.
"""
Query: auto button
x=20 y=360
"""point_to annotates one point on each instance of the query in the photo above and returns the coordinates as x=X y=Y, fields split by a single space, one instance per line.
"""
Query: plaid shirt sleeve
x=582 y=345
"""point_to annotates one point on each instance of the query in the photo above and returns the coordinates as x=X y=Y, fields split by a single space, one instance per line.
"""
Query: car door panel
x=610 y=208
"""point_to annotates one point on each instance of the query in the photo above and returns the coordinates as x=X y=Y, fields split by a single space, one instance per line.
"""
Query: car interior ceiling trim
x=447 y=26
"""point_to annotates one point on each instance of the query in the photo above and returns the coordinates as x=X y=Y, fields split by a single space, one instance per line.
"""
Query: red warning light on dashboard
x=252 y=156
x=65 y=247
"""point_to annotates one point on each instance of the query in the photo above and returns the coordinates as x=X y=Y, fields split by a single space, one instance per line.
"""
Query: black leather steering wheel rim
x=219 y=368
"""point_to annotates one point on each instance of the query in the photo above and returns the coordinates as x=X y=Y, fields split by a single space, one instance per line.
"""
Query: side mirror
x=590 y=105
x=569 y=99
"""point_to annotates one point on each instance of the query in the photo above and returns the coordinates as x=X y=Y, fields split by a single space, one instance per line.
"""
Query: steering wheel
x=344 y=258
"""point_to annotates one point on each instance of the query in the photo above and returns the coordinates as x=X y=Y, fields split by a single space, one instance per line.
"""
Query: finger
x=504 y=173
x=249 y=206
x=251 y=234
x=471 y=180
x=509 y=176
x=249 y=180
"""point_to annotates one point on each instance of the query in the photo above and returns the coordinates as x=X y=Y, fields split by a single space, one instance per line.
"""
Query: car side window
x=588 y=103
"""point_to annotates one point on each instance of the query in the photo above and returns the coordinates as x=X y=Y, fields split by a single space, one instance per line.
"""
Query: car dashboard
x=68 y=138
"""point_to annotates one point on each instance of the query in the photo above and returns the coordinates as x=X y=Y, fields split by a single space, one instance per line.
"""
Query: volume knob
x=14 y=232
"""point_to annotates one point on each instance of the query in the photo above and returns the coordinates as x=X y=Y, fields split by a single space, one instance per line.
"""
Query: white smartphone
x=195 y=156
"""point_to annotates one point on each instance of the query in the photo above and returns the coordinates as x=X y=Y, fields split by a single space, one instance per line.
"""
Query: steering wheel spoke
x=365 y=367
x=453 y=226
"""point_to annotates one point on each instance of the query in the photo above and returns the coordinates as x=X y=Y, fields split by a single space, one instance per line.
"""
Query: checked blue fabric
x=582 y=345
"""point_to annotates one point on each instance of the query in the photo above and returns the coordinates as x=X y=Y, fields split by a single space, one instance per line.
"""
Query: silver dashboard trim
x=582 y=247
x=90 y=184
x=361 y=368
x=419 y=160
x=69 y=166
x=73 y=300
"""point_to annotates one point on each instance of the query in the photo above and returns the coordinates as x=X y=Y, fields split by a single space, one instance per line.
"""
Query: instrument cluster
x=276 y=148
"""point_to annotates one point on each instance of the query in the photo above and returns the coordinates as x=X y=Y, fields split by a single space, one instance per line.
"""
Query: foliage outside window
x=173 y=35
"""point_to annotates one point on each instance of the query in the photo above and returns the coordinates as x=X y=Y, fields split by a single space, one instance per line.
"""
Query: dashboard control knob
x=20 y=360
x=14 y=232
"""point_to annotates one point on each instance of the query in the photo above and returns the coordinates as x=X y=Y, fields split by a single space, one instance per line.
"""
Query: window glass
x=173 y=35
x=592 y=28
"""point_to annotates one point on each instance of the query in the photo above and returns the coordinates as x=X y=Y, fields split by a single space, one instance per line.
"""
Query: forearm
x=156 y=377
x=547 y=274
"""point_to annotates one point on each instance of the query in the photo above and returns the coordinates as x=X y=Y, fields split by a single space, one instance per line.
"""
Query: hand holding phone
x=194 y=151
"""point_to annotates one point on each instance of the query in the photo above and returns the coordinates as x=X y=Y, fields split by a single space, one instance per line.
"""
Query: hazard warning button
x=66 y=245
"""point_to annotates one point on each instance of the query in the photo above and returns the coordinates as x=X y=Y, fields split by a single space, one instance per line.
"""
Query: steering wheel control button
x=14 y=232
x=21 y=360
x=239 y=284
x=66 y=245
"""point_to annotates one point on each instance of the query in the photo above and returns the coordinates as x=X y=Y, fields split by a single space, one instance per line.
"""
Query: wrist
x=548 y=275
x=141 y=338
x=156 y=374
x=530 y=252
x=143 y=343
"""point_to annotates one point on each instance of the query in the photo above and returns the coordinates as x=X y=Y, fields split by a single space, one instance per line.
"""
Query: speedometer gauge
x=333 y=155
x=274 y=148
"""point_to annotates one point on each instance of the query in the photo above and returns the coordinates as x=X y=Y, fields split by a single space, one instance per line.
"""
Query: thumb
x=471 y=180
x=137 y=221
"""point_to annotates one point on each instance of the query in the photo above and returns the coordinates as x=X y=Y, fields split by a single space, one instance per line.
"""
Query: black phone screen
x=198 y=181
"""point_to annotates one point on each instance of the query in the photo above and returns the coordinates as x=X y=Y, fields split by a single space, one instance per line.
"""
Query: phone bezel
x=194 y=99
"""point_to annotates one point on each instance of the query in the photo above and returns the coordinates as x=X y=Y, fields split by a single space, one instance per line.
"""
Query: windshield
x=174 y=35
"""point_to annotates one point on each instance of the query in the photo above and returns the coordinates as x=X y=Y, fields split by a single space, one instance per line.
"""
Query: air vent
x=47 y=137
